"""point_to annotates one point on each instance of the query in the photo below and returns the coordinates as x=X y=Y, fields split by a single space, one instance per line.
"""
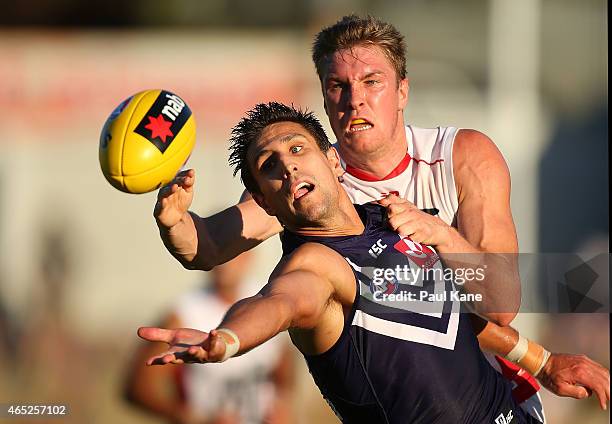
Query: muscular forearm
x=203 y=243
x=181 y=240
x=509 y=344
x=492 y=277
x=257 y=319
x=493 y=338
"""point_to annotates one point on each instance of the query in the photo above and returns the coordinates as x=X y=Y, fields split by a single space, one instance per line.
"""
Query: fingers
x=394 y=209
x=393 y=199
x=217 y=347
x=186 y=175
x=154 y=334
x=213 y=347
x=194 y=354
x=596 y=378
x=168 y=358
x=409 y=226
x=601 y=386
x=184 y=180
x=593 y=377
x=186 y=345
x=577 y=392
x=602 y=396
x=401 y=215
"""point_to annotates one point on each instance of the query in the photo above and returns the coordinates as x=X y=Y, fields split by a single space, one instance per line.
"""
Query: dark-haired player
x=374 y=361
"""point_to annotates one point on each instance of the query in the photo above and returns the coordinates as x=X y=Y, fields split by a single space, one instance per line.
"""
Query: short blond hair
x=352 y=31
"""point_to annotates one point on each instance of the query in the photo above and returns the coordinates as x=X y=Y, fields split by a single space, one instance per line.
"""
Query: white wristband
x=544 y=361
x=231 y=348
x=518 y=351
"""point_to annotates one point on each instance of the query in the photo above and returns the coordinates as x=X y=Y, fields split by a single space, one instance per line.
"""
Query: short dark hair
x=351 y=31
x=250 y=127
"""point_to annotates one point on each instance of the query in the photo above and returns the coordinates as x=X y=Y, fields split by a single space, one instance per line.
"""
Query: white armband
x=529 y=355
x=519 y=350
x=545 y=357
x=232 y=343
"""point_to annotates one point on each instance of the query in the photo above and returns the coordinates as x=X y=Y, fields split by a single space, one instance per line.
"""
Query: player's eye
x=295 y=149
x=372 y=82
x=267 y=164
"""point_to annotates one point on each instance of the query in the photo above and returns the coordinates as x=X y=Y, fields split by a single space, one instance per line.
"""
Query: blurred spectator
x=252 y=389
x=53 y=361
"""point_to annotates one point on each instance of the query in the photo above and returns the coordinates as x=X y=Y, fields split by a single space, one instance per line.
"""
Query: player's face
x=363 y=99
x=298 y=182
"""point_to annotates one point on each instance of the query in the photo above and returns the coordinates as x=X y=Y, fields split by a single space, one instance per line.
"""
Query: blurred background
x=81 y=264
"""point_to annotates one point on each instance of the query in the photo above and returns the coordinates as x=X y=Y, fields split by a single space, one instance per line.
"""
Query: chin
x=312 y=215
x=362 y=143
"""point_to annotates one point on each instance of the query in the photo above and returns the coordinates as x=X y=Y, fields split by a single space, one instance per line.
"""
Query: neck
x=385 y=157
x=344 y=222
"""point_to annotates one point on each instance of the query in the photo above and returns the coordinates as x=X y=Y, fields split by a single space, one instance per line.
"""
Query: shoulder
x=325 y=265
x=477 y=162
x=472 y=146
x=313 y=257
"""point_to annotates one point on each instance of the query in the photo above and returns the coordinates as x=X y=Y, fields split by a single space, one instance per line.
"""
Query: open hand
x=185 y=345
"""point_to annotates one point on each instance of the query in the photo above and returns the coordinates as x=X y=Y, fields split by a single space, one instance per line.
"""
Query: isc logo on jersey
x=505 y=419
x=377 y=248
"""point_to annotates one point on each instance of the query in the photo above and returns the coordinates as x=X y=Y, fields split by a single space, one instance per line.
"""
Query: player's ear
x=261 y=201
x=334 y=161
x=403 y=89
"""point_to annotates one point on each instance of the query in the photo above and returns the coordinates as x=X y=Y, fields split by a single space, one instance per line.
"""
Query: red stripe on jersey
x=366 y=176
x=526 y=384
x=430 y=163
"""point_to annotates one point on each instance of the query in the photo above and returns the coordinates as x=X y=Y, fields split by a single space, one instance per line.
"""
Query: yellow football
x=146 y=140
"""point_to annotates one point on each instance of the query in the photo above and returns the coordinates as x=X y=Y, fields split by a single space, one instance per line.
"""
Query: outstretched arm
x=203 y=243
x=297 y=296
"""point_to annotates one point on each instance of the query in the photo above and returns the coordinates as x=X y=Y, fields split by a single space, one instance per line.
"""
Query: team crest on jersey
x=422 y=255
x=386 y=286
x=164 y=120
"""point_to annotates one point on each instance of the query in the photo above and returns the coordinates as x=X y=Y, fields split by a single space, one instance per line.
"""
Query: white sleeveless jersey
x=427 y=181
x=240 y=385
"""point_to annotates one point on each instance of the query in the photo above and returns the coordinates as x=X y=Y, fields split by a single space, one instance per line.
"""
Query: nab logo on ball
x=164 y=120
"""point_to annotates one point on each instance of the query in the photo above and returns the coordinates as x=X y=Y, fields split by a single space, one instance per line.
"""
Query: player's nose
x=288 y=165
x=356 y=96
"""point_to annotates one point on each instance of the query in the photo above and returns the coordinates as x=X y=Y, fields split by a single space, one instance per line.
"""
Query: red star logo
x=159 y=127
